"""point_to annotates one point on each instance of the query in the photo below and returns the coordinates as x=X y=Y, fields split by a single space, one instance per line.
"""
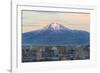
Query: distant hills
x=55 y=34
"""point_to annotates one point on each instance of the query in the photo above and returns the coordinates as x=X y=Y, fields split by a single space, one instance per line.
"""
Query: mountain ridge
x=55 y=34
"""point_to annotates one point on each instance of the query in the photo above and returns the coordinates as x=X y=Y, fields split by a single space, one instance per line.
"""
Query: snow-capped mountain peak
x=55 y=34
x=55 y=26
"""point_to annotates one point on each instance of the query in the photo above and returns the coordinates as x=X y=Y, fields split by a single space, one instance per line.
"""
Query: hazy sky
x=33 y=20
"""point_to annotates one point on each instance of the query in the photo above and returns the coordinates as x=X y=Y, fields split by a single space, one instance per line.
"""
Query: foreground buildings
x=55 y=53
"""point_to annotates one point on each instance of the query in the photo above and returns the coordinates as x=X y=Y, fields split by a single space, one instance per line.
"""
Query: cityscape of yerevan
x=55 y=36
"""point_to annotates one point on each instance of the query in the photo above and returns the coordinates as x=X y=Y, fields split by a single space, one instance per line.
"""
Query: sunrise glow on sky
x=33 y=20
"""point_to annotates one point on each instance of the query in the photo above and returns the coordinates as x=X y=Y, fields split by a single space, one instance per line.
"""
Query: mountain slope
x=55 y=34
